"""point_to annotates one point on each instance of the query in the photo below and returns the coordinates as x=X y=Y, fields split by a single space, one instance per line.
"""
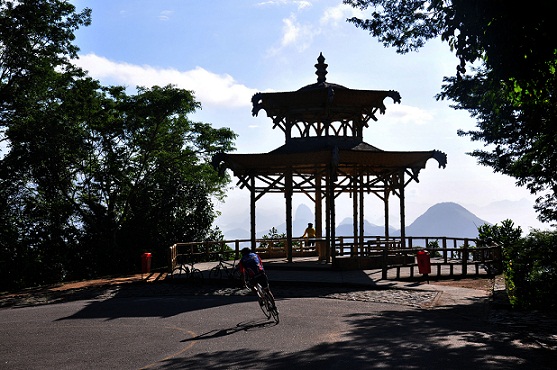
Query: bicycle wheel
x=215 y=273
x=181 y=271
x=263 y=302
x=272 y=306
x=196 y=275
x=236 y=274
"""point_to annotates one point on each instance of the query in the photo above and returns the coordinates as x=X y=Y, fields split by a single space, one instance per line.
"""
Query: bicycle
x=182 y=268
x=266 y=302
x=225 y=268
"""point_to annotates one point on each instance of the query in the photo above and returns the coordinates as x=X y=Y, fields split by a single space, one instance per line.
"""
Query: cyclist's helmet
x=245 y=251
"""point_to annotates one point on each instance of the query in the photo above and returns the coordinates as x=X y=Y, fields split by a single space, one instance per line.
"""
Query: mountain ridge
x=442 y=219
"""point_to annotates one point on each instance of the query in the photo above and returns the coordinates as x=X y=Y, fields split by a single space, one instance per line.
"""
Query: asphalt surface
x=347 y=324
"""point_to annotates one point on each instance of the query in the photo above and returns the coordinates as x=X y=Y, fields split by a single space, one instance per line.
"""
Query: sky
x=226 y=51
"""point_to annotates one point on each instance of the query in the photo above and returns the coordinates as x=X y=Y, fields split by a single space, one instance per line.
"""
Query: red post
x=424 y=263
x=145 y=263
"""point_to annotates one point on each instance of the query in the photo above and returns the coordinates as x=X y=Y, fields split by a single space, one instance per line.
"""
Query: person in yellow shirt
x=309 y=234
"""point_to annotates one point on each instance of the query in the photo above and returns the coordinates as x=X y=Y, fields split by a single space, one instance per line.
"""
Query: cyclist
x=251 y=267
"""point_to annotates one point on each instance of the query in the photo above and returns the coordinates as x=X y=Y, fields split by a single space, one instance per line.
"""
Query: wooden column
x=331 y=250
x=402 y=212
x=253 y=232
x=327 y=248
x=386 y=204
x=288 y=195
x=362 y=217
x=318 y=216
x=355 y=218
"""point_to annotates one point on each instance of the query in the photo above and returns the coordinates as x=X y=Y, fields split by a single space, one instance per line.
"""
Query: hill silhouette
x=446 y=219
x=443 y=219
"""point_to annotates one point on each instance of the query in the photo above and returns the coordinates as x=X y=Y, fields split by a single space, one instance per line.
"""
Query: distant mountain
x=443 y=219
x=346 y=228
x=238 y=233
x=304 y=214
x=446 y=219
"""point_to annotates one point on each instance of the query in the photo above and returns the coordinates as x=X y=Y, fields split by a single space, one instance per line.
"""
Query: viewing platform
x=377 y=259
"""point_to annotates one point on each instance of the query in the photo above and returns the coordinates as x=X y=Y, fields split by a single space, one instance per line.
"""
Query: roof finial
x=321 y=69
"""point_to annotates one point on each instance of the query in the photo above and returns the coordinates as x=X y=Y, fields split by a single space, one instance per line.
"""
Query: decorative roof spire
x=321 y=69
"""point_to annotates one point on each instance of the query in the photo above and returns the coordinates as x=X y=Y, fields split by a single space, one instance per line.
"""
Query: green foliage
x=274 y=238
x=277 y=240
x=93 y=176
x=504 y=234
x=531 y=271
x=505 y=77
x=433 y=247
x=529 y=264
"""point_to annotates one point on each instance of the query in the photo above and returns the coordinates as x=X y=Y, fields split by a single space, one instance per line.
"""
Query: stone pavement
x=308 y=272
x=303 y=277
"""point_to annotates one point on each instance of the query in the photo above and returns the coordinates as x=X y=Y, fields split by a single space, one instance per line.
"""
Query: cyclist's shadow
x=243 y=326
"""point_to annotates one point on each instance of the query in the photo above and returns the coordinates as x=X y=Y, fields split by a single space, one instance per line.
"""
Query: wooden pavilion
x=324 y=156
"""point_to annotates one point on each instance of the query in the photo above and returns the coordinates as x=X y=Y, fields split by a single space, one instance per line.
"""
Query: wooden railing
x=193 y=252
x=449 y=256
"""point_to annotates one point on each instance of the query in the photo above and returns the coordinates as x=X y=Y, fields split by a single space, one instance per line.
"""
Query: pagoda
x=324 y=156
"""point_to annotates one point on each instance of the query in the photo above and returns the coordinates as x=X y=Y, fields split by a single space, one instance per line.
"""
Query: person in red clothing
x=251 y=267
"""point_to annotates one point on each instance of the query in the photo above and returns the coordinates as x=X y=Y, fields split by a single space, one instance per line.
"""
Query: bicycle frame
x=224 y=266
x=267 y=303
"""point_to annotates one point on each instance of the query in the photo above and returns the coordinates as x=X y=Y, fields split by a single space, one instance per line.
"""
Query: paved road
x=173 y=327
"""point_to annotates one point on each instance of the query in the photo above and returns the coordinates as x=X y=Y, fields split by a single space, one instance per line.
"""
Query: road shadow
x=240 y=327
x=158 y=300
x=449 y=338
x=144 y=299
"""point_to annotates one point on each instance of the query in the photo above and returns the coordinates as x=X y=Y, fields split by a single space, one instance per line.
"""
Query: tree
x=148 y=179
x=35 y=70
x=505 y=77
x=35 y=39
x=92 y=176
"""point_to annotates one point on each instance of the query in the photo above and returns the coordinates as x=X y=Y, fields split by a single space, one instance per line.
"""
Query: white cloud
x=408 y=114
x=165 y=15
x=301 y=35
x=300 y=4
x=295 y=34
x=338 y=14
x=210 y=88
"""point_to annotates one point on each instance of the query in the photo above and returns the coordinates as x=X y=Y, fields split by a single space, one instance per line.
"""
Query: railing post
x=172 y=258
x=385 y=257
x=465 y=258
x=498 y=258
x=445 y=251
x=207 y=254
x=341 y=246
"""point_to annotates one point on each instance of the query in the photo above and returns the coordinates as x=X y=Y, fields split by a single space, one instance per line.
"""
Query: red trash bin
x=424 y=263
x=146 y=263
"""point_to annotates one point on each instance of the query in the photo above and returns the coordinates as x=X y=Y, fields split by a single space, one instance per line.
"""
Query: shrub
x=433 y=248
x=531 y=270
x=529 y=264
x=273 y=237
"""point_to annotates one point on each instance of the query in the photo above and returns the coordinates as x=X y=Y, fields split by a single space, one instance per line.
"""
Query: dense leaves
x=505 y=77
x=529 y=264
x=91 y=176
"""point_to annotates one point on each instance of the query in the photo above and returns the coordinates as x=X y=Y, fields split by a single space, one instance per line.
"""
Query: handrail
x=451 y=249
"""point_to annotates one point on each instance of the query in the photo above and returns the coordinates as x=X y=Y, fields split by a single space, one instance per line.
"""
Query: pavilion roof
x=327 y=102
x=361 y=159
x=323 y=101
